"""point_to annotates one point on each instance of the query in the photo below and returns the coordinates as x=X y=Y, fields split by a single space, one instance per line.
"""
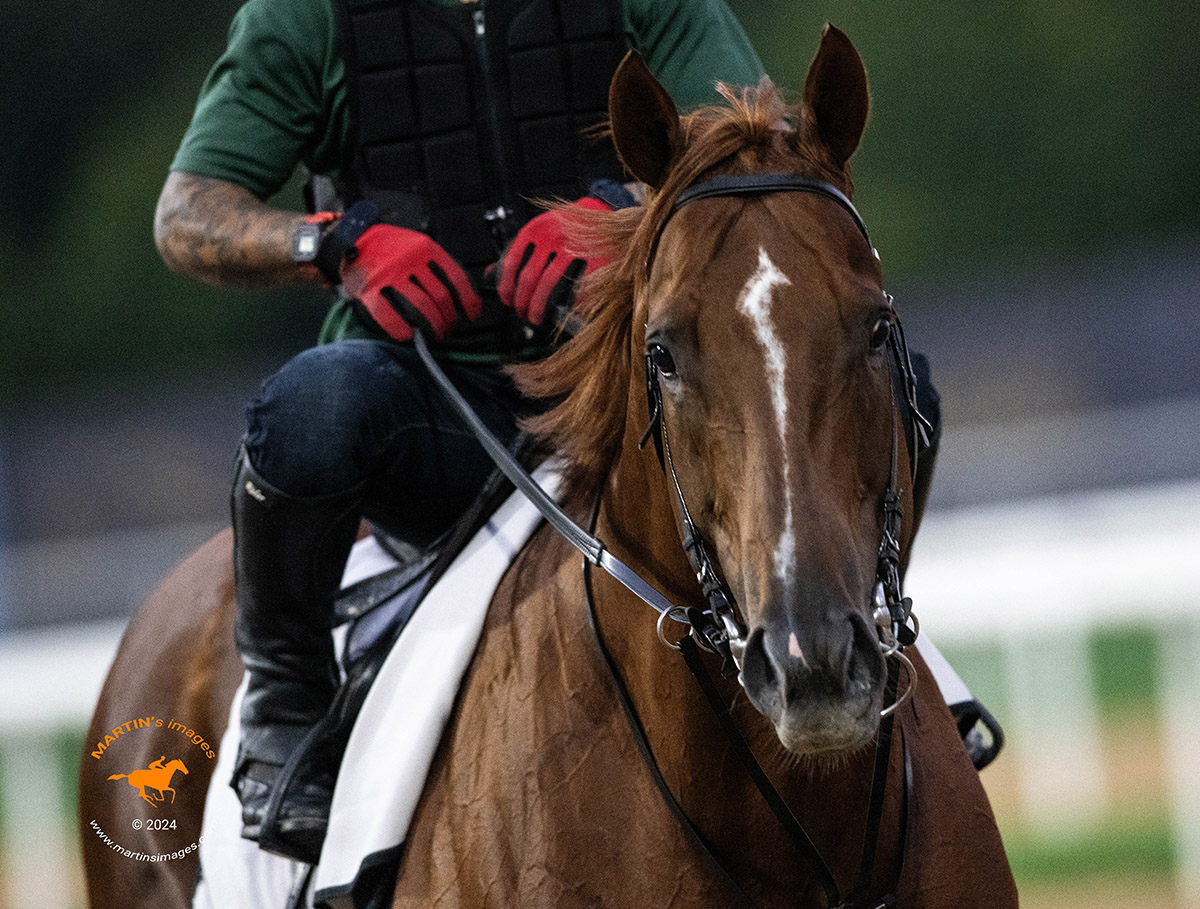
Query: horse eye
x=880 y=333
x=662 y=359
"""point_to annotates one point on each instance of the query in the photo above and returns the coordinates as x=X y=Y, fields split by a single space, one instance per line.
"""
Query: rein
x=594 y=551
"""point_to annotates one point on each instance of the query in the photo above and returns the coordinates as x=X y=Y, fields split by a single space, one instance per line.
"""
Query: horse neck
x=636 y=522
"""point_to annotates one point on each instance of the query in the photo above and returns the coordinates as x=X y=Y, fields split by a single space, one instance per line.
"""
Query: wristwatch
x=306 y=241
x=327 y=237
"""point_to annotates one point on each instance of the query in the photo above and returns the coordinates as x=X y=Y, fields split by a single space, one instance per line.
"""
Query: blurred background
x=1029 y=178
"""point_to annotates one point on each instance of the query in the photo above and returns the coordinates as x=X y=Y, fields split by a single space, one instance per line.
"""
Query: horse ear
x=645 y=124
x=836 y=99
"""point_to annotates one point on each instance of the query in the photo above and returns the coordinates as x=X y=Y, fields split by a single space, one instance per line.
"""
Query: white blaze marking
x=755 y=302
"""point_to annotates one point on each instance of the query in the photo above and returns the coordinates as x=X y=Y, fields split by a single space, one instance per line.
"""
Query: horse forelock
x=587 y=379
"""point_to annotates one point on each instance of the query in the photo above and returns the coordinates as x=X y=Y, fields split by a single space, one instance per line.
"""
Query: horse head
x=764 y=328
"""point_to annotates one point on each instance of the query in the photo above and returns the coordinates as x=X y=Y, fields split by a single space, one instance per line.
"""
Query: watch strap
x=337 y=241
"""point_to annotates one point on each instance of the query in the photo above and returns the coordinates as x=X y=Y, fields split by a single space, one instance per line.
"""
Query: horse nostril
x=758 y=673
x=858 y=675
x=864 y=665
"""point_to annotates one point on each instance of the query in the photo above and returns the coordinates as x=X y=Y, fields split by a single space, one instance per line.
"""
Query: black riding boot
x=289 y=554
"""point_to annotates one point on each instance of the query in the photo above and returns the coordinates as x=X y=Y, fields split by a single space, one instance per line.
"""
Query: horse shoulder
x=538 y=794
x=176 y=661
x=956 y=857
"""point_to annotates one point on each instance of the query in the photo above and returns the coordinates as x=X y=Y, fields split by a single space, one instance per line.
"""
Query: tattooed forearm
x=222 y=234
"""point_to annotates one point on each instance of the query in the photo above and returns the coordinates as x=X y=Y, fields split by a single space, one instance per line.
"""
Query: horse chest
x=538 y=796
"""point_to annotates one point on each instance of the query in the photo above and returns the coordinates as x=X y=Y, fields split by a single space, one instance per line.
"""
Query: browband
x=759 y=184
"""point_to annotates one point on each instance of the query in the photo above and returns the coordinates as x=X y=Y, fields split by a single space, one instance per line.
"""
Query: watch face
x=305 y=242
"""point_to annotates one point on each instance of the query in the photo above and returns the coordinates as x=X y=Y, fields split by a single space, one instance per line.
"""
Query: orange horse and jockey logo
x=156 y=776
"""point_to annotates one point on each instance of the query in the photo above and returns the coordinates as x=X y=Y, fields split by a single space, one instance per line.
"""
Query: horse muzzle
x=820 y=682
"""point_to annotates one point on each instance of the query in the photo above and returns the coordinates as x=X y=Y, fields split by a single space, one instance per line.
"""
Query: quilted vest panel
x=463 y=114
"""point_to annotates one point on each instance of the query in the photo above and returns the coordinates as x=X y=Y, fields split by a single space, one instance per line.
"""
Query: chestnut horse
x=583 y=765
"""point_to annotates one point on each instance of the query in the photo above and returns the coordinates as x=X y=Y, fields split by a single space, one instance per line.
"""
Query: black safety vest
x=463 y=114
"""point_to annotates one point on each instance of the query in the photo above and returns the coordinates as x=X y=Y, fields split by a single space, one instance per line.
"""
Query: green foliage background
x=1004 y=136
x=95 y=100
x=1011 y=134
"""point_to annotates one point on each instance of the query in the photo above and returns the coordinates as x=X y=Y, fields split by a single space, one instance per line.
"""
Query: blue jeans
x=364 y=413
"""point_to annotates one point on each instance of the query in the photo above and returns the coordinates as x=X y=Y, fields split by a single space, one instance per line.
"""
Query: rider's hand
x=402 y=279
x=536 y=273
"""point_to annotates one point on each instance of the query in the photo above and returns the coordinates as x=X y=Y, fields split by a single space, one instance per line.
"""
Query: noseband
x=721 y=629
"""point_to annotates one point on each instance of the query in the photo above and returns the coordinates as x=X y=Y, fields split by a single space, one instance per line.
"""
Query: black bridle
x=724 y=631
x=719 y=629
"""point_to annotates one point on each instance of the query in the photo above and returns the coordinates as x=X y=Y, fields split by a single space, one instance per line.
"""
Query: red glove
x=402 y=279
x=537 y=274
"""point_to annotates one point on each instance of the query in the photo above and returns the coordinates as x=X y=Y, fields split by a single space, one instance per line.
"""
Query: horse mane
x=585 y=382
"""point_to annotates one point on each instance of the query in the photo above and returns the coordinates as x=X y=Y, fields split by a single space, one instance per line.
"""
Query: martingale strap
x=643 y=742
x=858 y=899
x=741 y=749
